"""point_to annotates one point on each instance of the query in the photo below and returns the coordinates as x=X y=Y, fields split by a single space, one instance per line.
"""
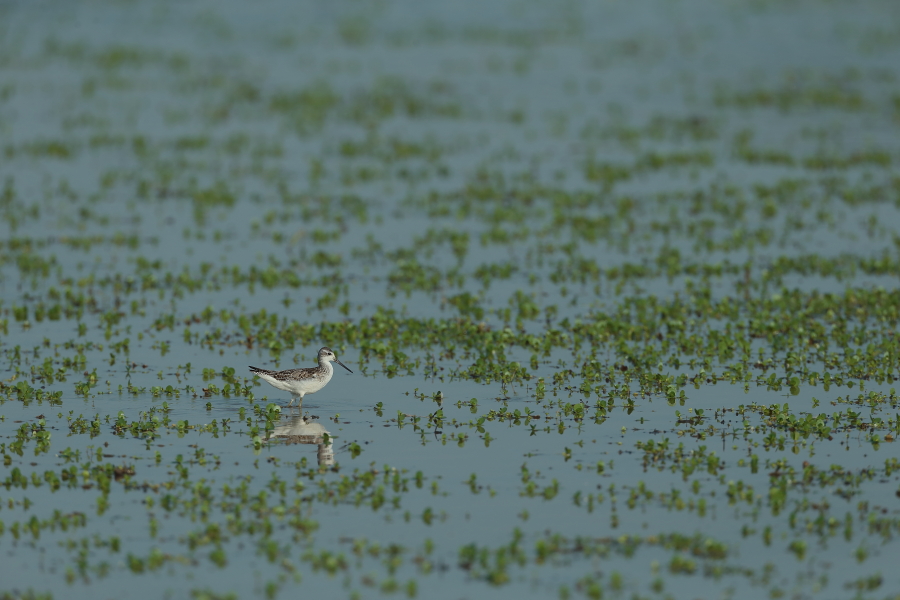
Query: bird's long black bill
x=342 y=364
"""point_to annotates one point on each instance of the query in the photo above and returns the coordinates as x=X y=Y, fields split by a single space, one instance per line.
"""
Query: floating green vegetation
x=613 y=336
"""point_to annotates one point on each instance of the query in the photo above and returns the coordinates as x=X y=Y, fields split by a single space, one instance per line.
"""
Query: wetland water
x=618 y=284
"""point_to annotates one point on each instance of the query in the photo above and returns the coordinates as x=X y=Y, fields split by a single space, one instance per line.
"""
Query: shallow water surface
x=617 y=283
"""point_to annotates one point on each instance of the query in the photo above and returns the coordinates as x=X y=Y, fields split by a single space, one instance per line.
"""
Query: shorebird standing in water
x=300 y=382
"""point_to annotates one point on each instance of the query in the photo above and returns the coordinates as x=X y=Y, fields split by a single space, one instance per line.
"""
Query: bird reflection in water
x=301 y=430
